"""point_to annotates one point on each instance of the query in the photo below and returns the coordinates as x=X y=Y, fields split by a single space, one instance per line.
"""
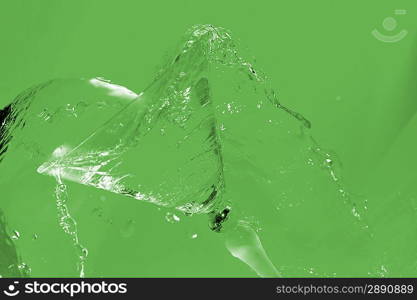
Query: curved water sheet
x=207 y=136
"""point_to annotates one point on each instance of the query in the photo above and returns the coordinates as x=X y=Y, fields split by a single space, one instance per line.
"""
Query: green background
x=358 y=92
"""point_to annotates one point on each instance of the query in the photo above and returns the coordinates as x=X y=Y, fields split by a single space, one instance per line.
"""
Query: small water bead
x=81 y=251
x=356 y=213
x=382 y=272
x=24 y=269
x=61 y=188
x=71 y=110
x=230 y=108
x=16 y=235
x=172 y=218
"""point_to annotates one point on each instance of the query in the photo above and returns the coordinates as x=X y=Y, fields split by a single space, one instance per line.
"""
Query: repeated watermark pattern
x=390 y=24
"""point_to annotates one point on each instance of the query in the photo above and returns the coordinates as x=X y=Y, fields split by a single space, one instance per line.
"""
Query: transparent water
x=208 y=136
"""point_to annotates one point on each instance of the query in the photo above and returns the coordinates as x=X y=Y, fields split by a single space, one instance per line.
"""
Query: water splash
x=207 y=118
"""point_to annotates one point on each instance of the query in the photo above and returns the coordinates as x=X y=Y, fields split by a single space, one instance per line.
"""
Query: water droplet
x=24 y=269
x=383 y=271
x=172 y=218
x=16 y=235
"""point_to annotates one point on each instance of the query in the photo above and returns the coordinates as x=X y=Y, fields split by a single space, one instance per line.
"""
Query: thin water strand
x=68 y=223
